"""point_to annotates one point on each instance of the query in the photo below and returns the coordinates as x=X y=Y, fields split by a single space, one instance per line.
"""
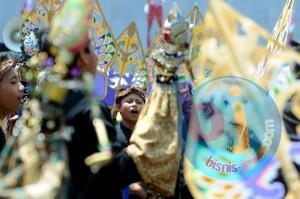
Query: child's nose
x=134 y=103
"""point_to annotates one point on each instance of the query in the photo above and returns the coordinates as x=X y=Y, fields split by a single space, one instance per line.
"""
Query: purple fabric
x=185 y=98
x=186 y=102
x=100 y=85
x=109 y=100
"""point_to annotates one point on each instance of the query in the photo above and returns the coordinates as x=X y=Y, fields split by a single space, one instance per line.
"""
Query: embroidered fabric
x=155 y=142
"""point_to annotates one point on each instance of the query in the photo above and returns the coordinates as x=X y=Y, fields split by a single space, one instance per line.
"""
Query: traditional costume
x=159 y=117
x=65 y=144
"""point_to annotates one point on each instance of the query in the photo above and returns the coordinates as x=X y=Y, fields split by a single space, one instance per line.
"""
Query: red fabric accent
x=155 y=13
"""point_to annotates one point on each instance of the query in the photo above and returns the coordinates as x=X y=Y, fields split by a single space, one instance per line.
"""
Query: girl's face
x=11 y=91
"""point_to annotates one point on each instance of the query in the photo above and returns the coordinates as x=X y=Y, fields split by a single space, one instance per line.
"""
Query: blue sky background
x=121 y=12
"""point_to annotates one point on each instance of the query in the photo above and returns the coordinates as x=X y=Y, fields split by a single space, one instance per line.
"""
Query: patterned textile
x=155 y=143
x=267 y=184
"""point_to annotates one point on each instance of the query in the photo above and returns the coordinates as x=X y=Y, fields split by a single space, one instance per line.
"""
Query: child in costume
x=160 y=116
x=129 y=103
x=11 y=89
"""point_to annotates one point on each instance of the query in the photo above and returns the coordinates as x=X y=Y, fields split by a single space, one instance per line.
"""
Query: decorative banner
x=282 y=27
x=41 y=16
x=104 y=41
x=154 y=12
x=131 y=55
x=223 y=44
x=195 y=19
x=266 y=184
x=231 y=44
x=128 y=68
x=100 y=86
x=36 y=14
x=282 y=77
x=280 y=34
x=105 y=49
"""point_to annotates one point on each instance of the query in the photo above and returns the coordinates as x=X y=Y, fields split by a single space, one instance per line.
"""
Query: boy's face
x=130 y=107
x=11 y=91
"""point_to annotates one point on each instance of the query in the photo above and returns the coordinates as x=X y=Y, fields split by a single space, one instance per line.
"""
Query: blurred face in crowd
x=130 y=107
x=88 y=59
x=11 y=91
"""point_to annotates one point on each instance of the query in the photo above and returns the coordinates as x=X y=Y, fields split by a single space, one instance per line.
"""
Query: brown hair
x=7 y=61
